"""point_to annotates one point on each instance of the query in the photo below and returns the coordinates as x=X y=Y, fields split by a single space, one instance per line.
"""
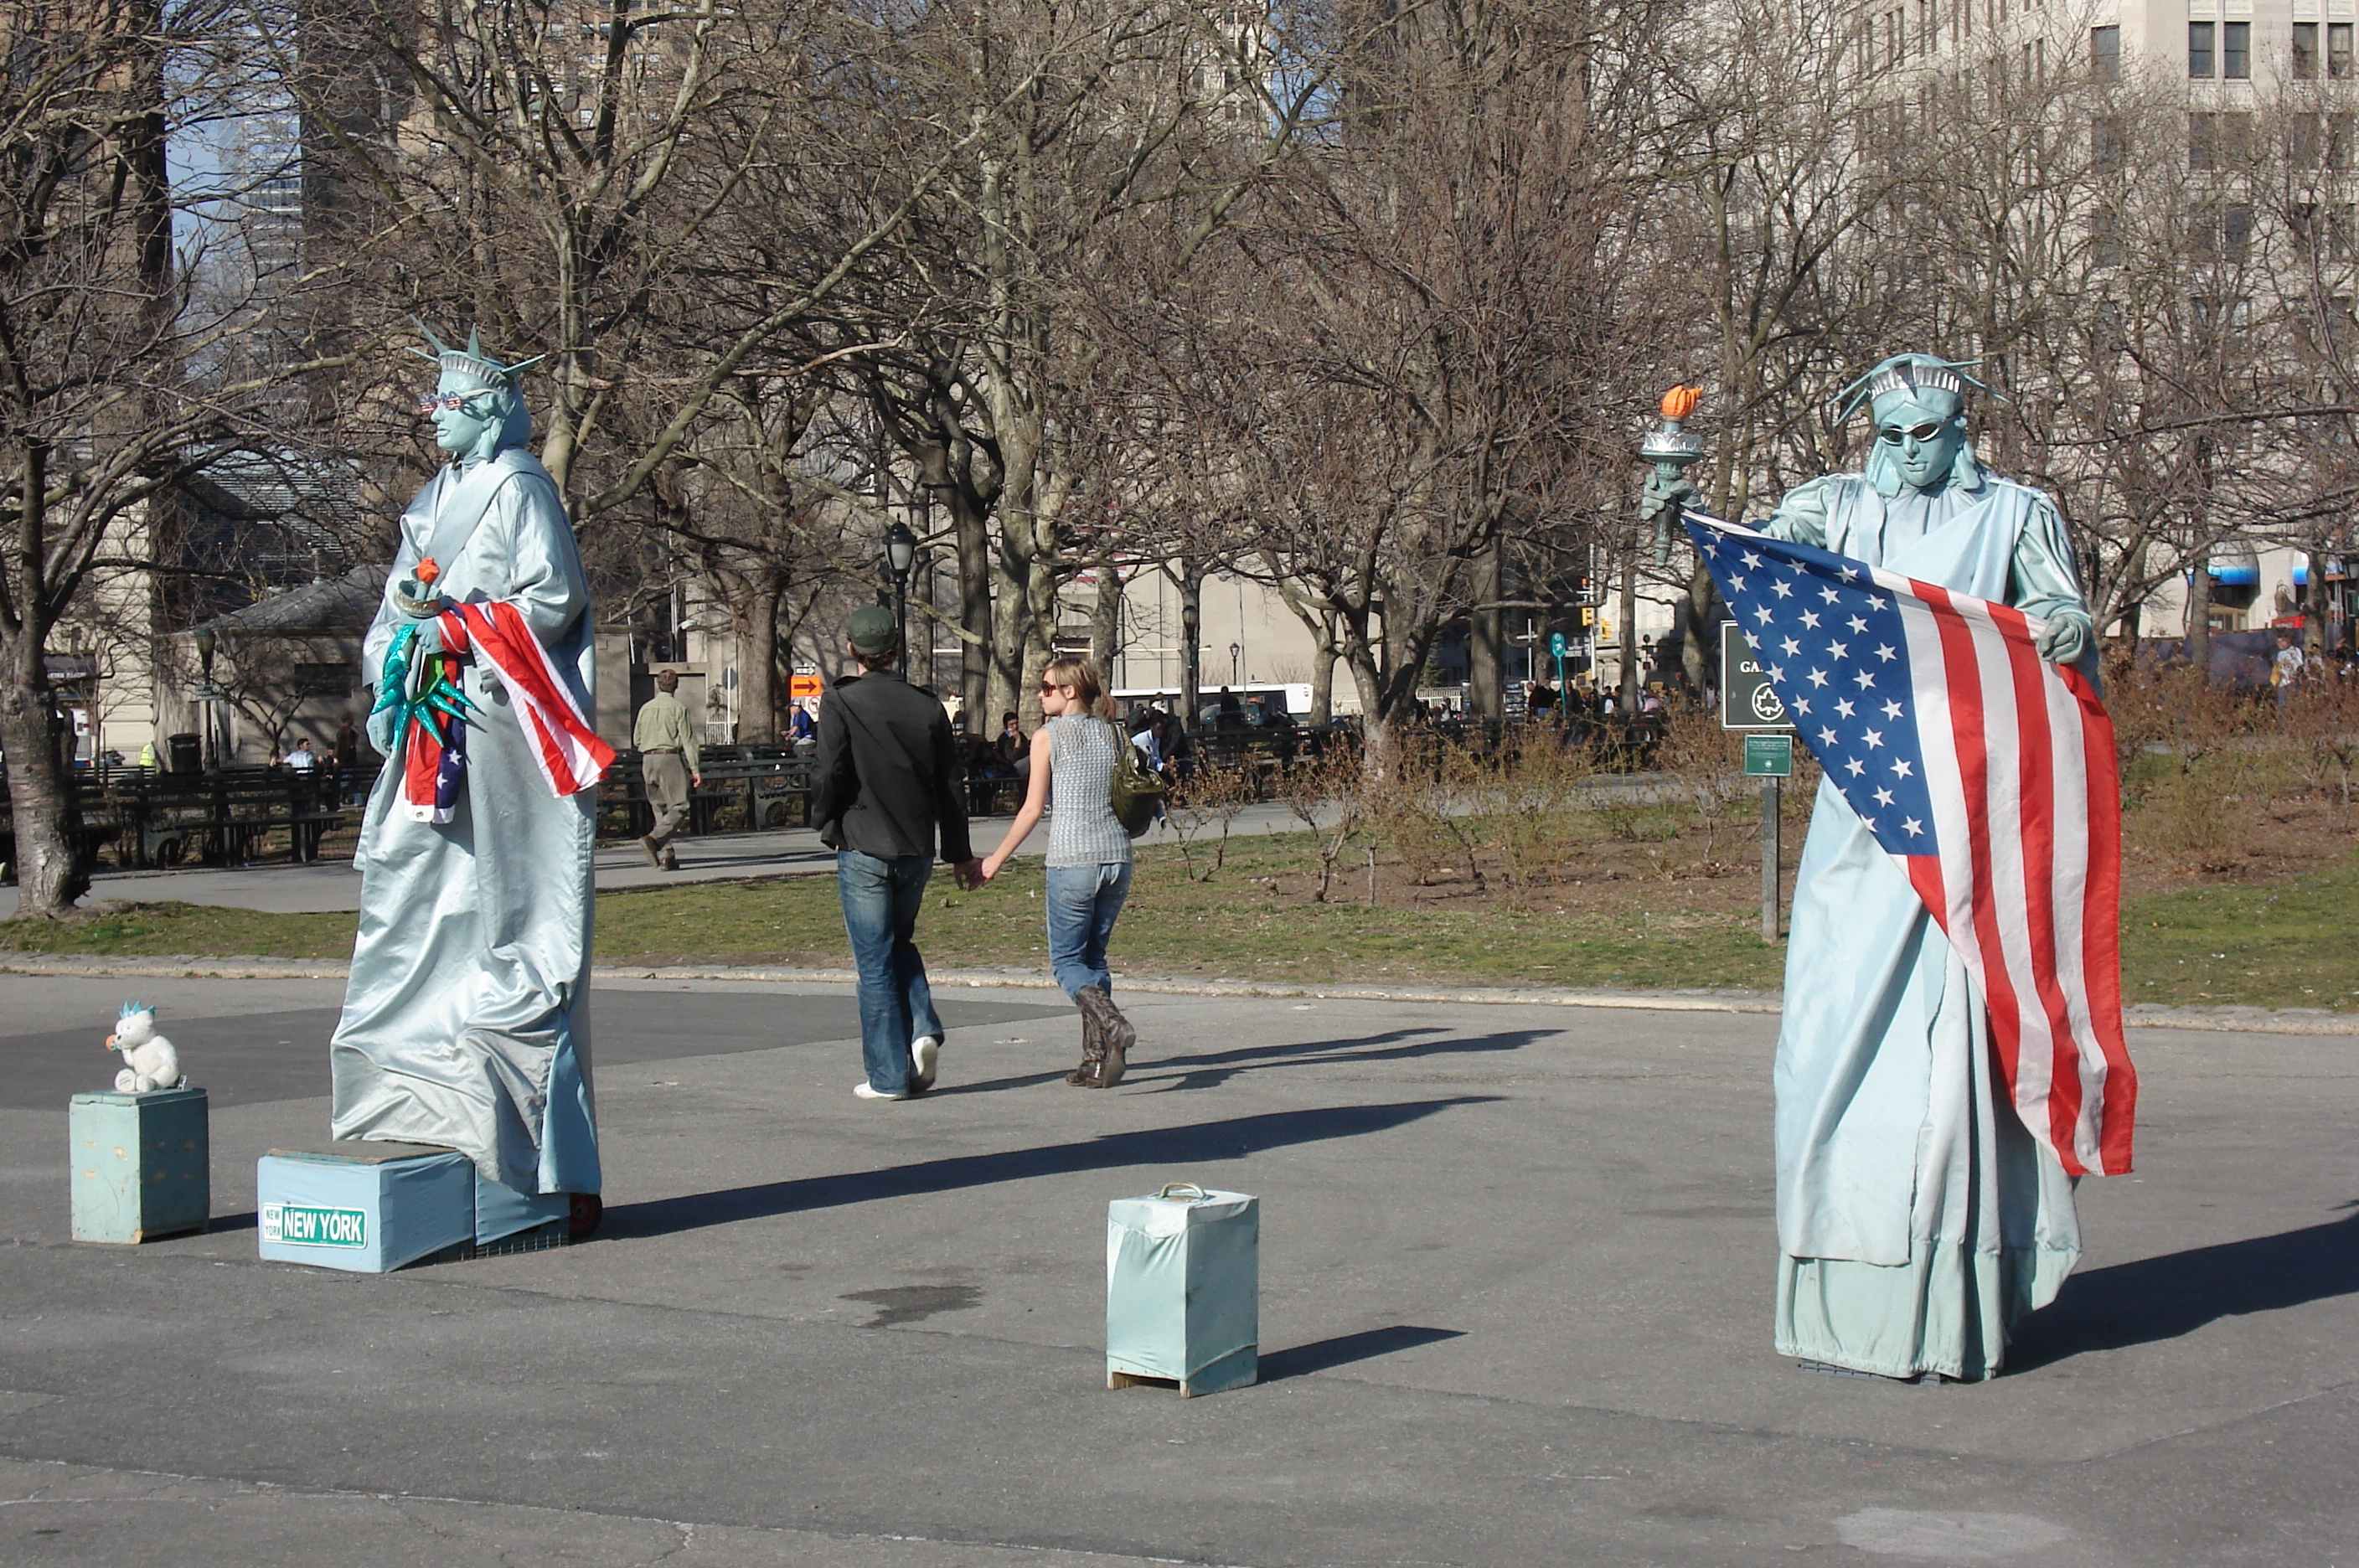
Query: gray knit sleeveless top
x=1083 y=828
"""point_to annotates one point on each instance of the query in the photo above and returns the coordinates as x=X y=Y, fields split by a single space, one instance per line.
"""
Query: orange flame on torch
x=1680 y=401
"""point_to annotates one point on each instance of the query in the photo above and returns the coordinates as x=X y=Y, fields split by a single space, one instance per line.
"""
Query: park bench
x=752 y=787
x=222 y=817
x=152 y=818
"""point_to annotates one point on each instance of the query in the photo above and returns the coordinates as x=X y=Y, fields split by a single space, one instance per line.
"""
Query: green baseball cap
x=873 y=630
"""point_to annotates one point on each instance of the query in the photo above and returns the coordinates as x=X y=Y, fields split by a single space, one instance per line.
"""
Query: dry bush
x=1330 y=796
x=1412 y=806
x=2319 y=728
x=1533 y=788
x=1206 y=806
x=2197 y=765
x=1705 y=764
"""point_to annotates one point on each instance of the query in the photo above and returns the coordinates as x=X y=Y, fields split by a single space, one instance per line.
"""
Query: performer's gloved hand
x=2064 y=640
x=1658 y=497
x=380 y=730
x=426 y=642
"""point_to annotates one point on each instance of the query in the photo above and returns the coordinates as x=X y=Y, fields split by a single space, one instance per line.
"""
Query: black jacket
x=888 y=771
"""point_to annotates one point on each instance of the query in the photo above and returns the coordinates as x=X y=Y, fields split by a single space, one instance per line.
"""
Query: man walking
x=887 y=791
x=669 y=762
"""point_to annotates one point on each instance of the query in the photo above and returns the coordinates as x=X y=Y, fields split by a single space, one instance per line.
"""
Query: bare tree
x=118 y=380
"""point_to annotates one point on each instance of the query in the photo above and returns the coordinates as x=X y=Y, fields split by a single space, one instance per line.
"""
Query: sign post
x=1748 y=702
x=1556 y=647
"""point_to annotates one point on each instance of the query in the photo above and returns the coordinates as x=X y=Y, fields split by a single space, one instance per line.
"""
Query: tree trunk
x=1696 y=655
x=1628 y=632
x=1322 y=679
x=1105 y=622
x=50 y=876
x=975 y=614
x=1012 y=584
x=758 y=658
x=1485 y=659
x=2313 y=606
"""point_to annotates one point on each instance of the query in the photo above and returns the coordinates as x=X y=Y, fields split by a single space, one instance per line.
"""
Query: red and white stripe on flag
x=2026 y=881
x=571 y=755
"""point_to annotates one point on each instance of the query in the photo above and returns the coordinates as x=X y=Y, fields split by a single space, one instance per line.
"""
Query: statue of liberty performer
x=466 y=1022
x=1918 y=1217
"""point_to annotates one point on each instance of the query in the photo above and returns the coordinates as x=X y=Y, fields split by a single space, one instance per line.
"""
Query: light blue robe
x=1916 y=1217
x=466 y=1020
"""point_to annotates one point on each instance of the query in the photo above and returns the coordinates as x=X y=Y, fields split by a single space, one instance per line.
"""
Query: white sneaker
x=868 y=1092
x=925 y=1055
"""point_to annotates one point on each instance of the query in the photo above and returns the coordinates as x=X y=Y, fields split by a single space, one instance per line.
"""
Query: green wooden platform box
x=141 y=1165
x=1183 y=1290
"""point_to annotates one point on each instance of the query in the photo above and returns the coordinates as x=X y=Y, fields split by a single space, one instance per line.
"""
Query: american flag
x=1987 y=774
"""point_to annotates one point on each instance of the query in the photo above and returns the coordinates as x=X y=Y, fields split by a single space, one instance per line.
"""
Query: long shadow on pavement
x=1202 y=1142
x=1319 y=1355
x=1210 y=1069
x=2167 y=1297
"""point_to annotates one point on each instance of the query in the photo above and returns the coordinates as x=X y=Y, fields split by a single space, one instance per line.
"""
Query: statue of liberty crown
x=472 y=360
x=1910 y=373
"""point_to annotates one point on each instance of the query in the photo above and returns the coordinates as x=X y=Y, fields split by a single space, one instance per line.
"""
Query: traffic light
x=1585 y=616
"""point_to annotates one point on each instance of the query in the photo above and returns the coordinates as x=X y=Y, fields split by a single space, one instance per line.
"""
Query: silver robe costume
x=1917 y=1216
x=466 y=1019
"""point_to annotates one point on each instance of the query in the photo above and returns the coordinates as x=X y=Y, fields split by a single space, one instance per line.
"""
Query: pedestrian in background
x=887 y=792
x=669 y=763
x=1089 y=856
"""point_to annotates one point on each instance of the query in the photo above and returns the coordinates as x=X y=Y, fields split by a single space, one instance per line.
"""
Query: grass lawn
x=2281 y=942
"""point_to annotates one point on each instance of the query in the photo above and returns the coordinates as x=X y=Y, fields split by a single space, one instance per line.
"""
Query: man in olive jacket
x=888 y=792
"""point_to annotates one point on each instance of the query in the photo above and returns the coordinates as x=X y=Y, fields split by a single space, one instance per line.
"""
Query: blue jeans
x=1083 y=902
x=881 y=899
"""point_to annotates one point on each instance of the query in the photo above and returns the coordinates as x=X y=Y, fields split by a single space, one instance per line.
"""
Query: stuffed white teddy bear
x=152 y=1062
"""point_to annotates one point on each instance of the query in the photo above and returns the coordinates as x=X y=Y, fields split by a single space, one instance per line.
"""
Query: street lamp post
x=900 y=555
x=205 y=638
x=1191 y=626
x=1236 y=664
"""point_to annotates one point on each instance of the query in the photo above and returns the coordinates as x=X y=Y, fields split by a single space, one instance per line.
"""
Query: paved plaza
x=1516 y=1300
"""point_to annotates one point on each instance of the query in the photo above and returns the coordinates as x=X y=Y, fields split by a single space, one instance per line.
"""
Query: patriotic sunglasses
x=1923 y=432
x=428 y=402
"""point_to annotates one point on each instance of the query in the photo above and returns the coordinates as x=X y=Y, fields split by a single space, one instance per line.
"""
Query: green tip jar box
x=141 y=1165
x=1183 y=1290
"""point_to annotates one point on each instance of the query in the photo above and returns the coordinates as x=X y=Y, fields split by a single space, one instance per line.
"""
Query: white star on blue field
x=1831 y=642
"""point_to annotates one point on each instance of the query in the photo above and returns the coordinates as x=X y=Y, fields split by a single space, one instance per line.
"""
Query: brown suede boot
x=1093 y=1049
x=1114 y=1035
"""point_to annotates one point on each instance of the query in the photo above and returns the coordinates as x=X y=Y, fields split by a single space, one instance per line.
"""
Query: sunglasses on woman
x=1923 y=432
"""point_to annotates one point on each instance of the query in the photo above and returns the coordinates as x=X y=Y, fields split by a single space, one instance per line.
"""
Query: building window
x=2104 y=240
x=2338 y=48
x=2199 y=37
x=2105 y=149
x=2106 y=53
x=2301 y=142
x=2235 y=233
x=2236 y=50
x=2305 y=51
x=2337 y=141
x=2203 y=141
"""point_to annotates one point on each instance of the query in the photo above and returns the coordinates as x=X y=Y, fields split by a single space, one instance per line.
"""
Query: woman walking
x=1089 y=856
